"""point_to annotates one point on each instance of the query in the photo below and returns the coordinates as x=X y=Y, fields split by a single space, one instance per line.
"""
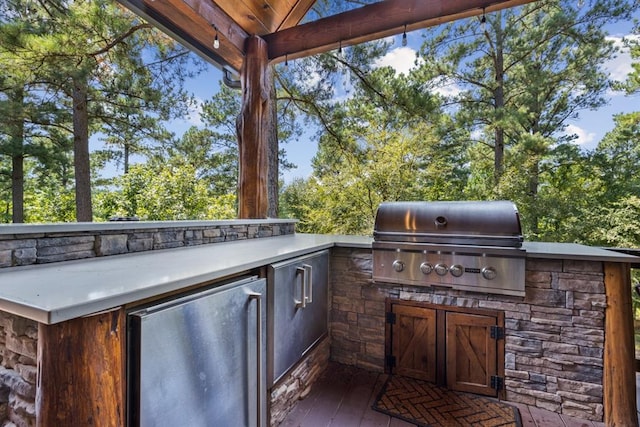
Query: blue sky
x=589 y=128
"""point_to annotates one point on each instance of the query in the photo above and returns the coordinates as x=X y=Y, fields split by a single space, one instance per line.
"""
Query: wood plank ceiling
x=195 y=24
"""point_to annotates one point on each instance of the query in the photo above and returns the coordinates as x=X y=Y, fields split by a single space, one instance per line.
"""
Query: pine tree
x=103 y=67
x=522 y=74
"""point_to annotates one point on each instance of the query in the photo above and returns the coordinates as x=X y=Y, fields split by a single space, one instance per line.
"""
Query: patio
x=344 y=395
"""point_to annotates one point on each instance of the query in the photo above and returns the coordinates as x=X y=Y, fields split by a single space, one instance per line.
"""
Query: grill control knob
x=456 y=270
x=441 y=269
x=398 y=265
x=489 y=273
x=426 y=268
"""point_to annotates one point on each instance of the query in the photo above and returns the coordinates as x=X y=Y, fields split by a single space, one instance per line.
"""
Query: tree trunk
x=81 y=161
x=17 y=187
x=272 y=129
x=17 y=159
x=534 y=183
x=498 y=94
x=253 y=127
x=126 y=158
x=81 y=371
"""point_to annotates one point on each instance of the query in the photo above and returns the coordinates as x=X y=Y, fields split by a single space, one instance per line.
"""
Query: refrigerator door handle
x=259 y=365
x=301 y=277
x=308 y=274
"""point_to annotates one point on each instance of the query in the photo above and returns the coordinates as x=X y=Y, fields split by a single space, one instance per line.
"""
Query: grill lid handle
x=441 y=222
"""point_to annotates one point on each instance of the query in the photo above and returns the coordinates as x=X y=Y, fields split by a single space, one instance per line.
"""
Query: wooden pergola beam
x=372 y=22
x=229 y=30
x=191 y=22
x=296 y=14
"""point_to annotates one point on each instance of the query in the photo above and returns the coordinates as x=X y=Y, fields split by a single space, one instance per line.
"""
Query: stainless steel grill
x=470 y=245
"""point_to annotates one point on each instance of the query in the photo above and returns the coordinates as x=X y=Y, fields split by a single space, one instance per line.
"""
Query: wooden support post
x=81 y=372
x=619 y=353
x=253 y=127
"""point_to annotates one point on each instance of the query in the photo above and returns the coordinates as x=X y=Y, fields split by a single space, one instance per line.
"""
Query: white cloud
x=402 y=60
x=311 y=81
x=584 y=138
x=445 y=86
x=620 y=66
x=477 y=134
x=194 y=116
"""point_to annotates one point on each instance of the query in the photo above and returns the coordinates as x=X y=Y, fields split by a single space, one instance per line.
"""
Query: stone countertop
x=52 y=293
x=575 y=251
x=57 y=292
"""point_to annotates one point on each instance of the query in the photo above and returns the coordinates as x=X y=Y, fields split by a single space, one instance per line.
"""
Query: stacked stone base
x=554 y=336
x=297 y=384
x=18 y=373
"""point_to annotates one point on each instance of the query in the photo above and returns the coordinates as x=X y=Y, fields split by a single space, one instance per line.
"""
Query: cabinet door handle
x=259 y=365
x=301 y=273
x=308 y=274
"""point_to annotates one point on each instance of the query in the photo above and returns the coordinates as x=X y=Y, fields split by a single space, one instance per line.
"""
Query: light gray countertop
x=52 y=293
x=574 y=251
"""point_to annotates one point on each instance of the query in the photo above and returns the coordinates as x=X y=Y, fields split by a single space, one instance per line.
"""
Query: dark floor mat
x=427 y=405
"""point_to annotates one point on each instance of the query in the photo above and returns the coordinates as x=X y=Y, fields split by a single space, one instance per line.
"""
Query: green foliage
x=522 y=76
x=618 y=157
x=51 y=204
x=632 y=84
x=502 y=136
x=51 y=52
x=621 y=228
x=382 y=136
x=161 y=192
x=616 y=161
x=46 y=199
x=380 y=146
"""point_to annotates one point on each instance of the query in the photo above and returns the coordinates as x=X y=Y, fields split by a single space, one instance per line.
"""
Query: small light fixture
x=483 y=20
x=340 y=48
x=216 y=40
x=286 y=59
x=404 y=36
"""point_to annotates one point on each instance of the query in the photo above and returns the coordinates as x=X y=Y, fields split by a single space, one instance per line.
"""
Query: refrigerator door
x=198 y=360
x=298 y=310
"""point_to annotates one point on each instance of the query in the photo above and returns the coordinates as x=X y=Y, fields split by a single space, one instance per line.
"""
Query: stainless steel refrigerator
x=298 y=310
x=199 y=360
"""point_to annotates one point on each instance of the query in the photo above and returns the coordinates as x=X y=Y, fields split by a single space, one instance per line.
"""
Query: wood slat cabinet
x=460 y=348
x=414 y=342
x=471 y=350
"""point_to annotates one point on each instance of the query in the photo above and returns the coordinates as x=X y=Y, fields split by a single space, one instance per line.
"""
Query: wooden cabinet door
x=414 y=342
x=471 y=353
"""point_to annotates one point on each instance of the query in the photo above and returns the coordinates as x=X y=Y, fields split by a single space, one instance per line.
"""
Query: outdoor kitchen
x=448 y=312
x=548 y=315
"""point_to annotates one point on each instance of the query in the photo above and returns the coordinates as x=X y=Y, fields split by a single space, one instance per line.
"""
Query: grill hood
x=481 y=223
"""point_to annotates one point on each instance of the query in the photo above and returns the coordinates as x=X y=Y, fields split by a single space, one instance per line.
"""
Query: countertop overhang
x=53 y=293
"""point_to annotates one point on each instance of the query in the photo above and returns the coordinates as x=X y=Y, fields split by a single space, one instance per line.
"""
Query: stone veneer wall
x=39 y=244
x=22 y=245
x=297 y=383
x=18 y=372
x=554 y=341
